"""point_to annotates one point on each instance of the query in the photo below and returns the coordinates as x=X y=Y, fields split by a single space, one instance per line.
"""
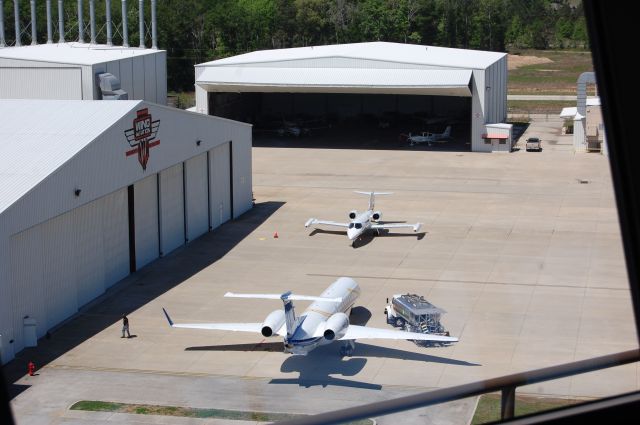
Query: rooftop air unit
x=110 y=87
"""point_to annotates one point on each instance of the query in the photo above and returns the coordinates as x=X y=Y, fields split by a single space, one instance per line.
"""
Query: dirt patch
x=516 y=61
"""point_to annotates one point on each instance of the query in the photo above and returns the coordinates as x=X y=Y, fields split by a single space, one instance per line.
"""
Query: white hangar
x=468 y=87
x=72 y=71
x=91 y=191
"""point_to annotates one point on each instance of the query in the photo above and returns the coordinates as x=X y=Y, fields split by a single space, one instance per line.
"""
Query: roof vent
x=110 y=87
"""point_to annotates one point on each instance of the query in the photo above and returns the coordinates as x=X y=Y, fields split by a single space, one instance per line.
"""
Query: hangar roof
x=399 y=53
x=73 y=53
x=39 y=136
x=377 y=67
x=343 y=80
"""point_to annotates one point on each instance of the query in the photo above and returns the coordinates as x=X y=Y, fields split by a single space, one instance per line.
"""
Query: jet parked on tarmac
x=361 y=222
x=325 y=321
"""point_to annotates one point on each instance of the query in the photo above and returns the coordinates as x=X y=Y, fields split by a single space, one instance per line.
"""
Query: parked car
x=534 y=143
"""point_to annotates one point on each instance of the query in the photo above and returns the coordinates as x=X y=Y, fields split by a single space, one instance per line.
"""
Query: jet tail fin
x=167 y=316
x=287 y=299
x=372 y=197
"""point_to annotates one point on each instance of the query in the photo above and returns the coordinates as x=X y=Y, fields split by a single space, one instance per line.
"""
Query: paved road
x=55 y=389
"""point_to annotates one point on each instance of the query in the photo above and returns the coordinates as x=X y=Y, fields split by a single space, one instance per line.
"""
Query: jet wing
x=415 y=227
x=365 y=332
x=237 y=327
x=328 y=223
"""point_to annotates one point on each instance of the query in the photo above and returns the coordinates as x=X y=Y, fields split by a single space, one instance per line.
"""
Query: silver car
x=534 y=143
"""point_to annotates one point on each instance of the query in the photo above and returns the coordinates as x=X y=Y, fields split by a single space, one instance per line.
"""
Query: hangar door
x=220 y=184
x=63 y=263
x=145 y=194
x=196 y=196
x=171 y=203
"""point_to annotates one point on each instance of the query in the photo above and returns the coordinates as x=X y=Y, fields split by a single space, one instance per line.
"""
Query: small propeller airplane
x=361 y=222
x=428 y=138
x=325 y=321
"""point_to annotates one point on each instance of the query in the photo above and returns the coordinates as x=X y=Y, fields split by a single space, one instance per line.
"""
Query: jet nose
x=352 y=234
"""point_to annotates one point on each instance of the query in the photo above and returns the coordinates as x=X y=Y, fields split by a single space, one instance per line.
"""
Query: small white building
x=92 y=191
x=72 y=70
x=498 y=137
x=467 y=87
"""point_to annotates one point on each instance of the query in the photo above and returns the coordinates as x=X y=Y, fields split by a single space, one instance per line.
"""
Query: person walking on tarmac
x=125 y=326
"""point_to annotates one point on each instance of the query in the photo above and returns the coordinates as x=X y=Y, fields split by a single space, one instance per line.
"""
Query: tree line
x=195 y=31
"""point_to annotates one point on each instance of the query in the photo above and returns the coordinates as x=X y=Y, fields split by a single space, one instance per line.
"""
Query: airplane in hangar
x=361 y=222
x=428 y=138
x=323 y=322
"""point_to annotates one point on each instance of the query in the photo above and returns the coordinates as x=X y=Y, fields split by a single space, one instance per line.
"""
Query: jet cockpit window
x=350 y=225
x=358 y=225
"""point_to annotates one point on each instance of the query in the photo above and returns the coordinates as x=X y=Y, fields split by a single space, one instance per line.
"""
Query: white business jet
x=324 y=322
x=361 y=222
x=430 y=137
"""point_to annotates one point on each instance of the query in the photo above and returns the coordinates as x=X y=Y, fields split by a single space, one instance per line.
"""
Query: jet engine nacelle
x=377 y=215
x=353 y=214
x=336 y=326
x=272 y=323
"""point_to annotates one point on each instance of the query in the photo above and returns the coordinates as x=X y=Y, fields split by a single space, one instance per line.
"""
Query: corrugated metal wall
x=149 y=79
x=63 y=263
x=219 y=183
x=87 y=236
x=171 y=191
x=496 y=92
x=40 y=83
x=27 y=284
x=137 y=64
x=146 y=220
x=115 y=236
x=161 y=77
x=196 y=196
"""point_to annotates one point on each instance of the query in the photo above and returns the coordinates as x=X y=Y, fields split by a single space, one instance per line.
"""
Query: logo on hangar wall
x=141 y=136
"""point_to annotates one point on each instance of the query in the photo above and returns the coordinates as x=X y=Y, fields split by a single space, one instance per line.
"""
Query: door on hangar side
x=196 y=196
x=171 y=202
x=61 y=264
x=145 y=207
x=220 y=184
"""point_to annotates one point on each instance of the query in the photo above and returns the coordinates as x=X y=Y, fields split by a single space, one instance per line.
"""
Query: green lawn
x=488 y=409
x=557 y=77
x=523 y=107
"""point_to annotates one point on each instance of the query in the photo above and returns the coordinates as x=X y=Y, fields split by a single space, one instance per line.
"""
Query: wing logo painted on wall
x=141 y=136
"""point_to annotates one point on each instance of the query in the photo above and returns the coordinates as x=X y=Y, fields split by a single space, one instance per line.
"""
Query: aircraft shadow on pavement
x=368 y=237
x=328 y=232
x=136 y=290
x=317 y=368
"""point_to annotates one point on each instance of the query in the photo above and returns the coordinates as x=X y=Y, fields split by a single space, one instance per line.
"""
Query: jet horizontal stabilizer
x=285 y=296
x=373 y=193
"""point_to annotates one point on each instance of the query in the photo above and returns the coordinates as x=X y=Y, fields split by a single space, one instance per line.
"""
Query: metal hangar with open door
x=367 y=83
x=95 y=190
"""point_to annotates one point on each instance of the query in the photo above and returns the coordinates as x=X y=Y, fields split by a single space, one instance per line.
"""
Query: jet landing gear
x=347 y=348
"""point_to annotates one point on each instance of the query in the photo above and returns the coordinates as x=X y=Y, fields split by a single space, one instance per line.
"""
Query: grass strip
x=189 y=412
x=488 y=409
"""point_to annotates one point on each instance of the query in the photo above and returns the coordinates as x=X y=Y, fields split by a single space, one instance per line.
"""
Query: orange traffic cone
x=275 y=235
